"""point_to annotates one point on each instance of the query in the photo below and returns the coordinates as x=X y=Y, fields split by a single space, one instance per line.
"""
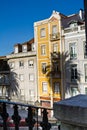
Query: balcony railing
x=30 y=116
x=74 y=29
x=55 y=36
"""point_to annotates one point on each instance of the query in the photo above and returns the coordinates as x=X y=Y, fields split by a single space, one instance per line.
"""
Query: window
x=54 y=29
x=86 y=90
x=74 y=91
x=44 y=87
x=3 y=91
x=85 y=50
x=33 y=46
x=31 y=63
x=85 y=68
x=31 y=93
x=56 y=87
x=16 y=49
x=1 y=79
x=0 y=91
x=11 y=64
x=44 y=68
x=73 y=51
x=21 y=77
x=42 y=32
x=55 y=47
x=21 y=63
x=73 y=72
x=43 y=50
x=31 y=77
x=24 y=48
x=22 y=92
x=55 y=67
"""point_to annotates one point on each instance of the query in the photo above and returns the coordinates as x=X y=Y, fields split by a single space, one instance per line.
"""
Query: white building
x=75 y=65
x=22 y=63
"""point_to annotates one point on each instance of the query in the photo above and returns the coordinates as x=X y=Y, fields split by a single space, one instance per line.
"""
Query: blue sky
x=18 y=16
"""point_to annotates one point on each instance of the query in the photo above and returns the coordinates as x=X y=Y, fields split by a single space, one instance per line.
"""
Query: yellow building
x=47 y=35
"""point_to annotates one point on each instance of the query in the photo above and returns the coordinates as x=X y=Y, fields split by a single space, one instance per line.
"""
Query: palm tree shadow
x=62 y=71
x=8 y=79
x=14 y=86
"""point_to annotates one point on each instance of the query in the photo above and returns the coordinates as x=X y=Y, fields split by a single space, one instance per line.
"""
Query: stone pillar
x=72 y=113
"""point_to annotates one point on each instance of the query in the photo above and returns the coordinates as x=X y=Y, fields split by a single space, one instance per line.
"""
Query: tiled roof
x=67 y=20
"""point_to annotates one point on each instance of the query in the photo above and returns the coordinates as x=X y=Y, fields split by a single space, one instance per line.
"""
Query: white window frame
x=55 y=47
x=21 y=77
x=24 y=48
x=31 y=77
x=43 y=49
x=73 y=50
x=31 y=63
x=54 y=29
x=21 y=63
x=42 y=32
x=44 y=87
x=16 y=49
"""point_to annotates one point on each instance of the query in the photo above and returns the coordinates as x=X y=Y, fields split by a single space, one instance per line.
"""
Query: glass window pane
x=44 y=86
x=54 y=29
x=42 y=32
x=56 y=87
x=31 y=77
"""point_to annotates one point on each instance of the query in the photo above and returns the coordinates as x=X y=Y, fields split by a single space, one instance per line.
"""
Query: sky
x=17 y=18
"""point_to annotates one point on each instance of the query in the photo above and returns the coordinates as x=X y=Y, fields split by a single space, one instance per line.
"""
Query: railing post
x=16 y=118
x=30 y=121
x=4 y=116
x=45 y=124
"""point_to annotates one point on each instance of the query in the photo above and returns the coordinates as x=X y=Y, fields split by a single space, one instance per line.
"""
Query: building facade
x=75 y=63
x=53 y=65
x=22 y=64
x=4 y=78
x=47 y=34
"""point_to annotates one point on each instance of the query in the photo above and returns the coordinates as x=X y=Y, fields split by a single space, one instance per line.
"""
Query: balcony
x=18 y=116
x=54 y=37
x=74 y=29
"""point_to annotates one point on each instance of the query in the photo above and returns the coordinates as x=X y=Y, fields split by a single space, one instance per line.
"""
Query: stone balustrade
x=72 y=113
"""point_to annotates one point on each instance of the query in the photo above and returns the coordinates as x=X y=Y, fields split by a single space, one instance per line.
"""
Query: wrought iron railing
x=55 y=36
x=30 y=120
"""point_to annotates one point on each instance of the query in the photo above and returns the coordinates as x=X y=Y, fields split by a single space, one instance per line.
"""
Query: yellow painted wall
x=46 y=58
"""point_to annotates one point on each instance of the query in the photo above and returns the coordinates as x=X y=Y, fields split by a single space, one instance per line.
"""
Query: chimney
x=81 y=14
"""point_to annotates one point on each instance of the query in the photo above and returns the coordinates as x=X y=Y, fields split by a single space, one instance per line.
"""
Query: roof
x=72 y=18
x=27 y=42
